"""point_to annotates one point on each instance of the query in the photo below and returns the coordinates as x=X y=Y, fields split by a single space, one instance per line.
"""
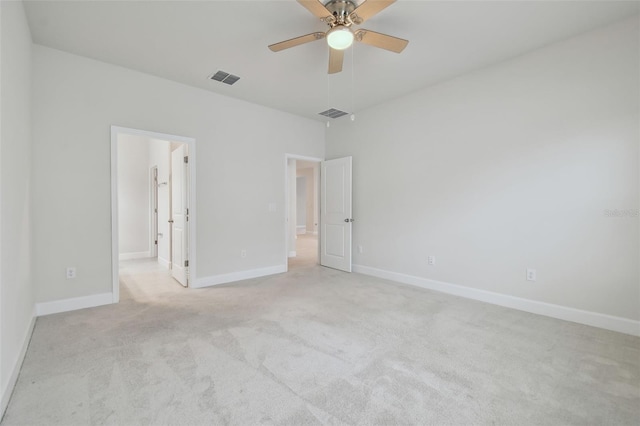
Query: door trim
x=285 y=208
x=191 y=142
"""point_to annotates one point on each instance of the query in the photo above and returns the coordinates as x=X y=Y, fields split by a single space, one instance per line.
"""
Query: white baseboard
x=15 y=370
x=595 y=319
x=238 y=276
x=65 y=305
x=131 y=256
x=164 y=262
x=292 y=253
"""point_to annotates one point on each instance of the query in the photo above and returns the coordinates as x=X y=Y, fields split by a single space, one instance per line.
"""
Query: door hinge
x=186 y=159
x=156 y=242
x=186 y=263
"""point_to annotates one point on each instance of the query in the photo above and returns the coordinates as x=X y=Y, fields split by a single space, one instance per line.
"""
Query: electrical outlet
x=431 y=260
x=71 y=272
x=243 y=253
x=531 y=274
x=360 y=249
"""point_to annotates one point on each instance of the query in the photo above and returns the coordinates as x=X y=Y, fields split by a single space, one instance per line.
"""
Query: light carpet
x=318 y=346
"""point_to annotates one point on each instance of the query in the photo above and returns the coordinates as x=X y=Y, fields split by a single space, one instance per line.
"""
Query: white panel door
x=179 y=216
x=335 y=214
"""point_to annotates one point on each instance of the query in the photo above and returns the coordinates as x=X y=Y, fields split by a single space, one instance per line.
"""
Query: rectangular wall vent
x=333 y=113
x=224 y=77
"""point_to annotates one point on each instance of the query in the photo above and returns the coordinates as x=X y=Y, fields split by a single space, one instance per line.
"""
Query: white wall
x=133 y=196
x=301 y=204
x=240 y=149
x=16 y=289
x=509 y=167
x=159 y=155
x=292 y=207
x=311 y=195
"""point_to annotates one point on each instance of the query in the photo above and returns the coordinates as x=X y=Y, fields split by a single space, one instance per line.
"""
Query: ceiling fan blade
x=335 y=60
x=380 y=40
x=296 y=41
x=317 y=8
x=368 y=9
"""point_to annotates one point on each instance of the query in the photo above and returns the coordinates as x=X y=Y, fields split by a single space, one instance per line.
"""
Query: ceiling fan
x=340 y=15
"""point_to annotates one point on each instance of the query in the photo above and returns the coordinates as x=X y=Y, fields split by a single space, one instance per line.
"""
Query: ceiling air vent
x=224 y=77
x=333 y=113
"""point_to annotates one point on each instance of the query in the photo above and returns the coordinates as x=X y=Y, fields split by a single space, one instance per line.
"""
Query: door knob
x=170 y=221
x=348 y=220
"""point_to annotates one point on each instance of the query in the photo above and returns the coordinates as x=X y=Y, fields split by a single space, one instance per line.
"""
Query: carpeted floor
x=318 y=346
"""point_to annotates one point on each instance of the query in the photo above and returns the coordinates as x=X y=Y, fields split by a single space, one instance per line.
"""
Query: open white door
x=154 y=212
x=179 y=216
x=335 y=214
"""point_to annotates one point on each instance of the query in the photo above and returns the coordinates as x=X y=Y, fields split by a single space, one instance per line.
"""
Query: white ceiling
x=186 y=41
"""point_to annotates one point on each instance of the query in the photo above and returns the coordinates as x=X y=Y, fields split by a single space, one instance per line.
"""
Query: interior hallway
x=145 y=279
x=306 y=251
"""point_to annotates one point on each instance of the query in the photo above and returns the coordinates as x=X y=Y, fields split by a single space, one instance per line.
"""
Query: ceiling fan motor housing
x=340 y=9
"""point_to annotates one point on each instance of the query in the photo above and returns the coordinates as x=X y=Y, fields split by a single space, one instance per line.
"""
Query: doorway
x=152 y=209
x=303 y=211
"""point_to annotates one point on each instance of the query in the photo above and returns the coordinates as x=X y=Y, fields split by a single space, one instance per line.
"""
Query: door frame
x=285 y=208
x=191 y=143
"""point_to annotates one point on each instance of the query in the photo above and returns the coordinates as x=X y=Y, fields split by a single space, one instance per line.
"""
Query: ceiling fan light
x=339 y=37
